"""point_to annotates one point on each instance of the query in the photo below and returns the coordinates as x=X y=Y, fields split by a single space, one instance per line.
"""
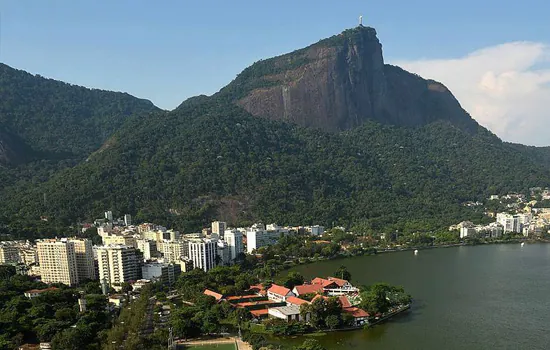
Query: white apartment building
x=203 y=253
x=513 y=223
x=118 y=264
x=234 y=241
x=257 y=237
x=109 y=215
x=58 y=262
x=174 y=251
x=127 y=219
x=84 y=258
x=9 y=252
x=165 y=273
x=218 y=228
x=147 y=247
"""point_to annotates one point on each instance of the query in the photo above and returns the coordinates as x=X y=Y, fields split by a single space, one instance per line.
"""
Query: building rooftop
x=279 y=290
x=309 y=288
x=216 y=296
x=38 y=291
x=296 y=301
x=288 y=310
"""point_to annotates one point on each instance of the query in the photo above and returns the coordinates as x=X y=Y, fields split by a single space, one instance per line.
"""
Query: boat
x=416 y=252
x=522 y=244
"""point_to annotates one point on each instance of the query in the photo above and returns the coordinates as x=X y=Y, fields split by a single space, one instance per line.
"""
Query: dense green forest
x=210 y=159
x=47 y=125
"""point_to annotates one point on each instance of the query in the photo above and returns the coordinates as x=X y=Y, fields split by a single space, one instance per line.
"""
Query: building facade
x=203 y=253
x=164 y=273
x=147 y=247
x=9 y=253
x=84 y=259
x=218 y=228
x=118 y=264
x=58 y=264
x=234 y=240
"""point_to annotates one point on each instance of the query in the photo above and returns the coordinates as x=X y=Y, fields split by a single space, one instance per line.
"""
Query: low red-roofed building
x=296 y=301
x=216 y=296
x=308 y=289
x=260 y=314
x=279 y=293
x=33 y=293
x=344 y=301
x=360 y=316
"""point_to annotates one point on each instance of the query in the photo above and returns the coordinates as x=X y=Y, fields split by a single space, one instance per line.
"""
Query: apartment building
x=203 y=253
x=118 y=264
x=57 y=259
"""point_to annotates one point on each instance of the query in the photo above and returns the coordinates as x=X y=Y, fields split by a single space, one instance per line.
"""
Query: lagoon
x=467 y=297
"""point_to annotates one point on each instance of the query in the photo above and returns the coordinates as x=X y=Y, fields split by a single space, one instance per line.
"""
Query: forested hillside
x=328 y=134
x=58 y=119
x=212 y=159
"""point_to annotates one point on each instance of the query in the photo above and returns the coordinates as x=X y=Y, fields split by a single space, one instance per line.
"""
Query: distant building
x=119 y=240
x=84 y=259
x=257 y=237
x=127 y=219
x=203 y=253
x=147 y=247
x=164 y=273
x=33 y=293
x=223 y=253
x=58 y=262
x=173 y=251
x=317 y=230
x=9 y=252
x=279 y=293
x=186 y=264
x=109 y=215
x=234 y=240
x=288 y=313
x=218 y=228
x=118 y=264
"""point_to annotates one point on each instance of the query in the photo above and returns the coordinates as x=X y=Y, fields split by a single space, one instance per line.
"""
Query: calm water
x=482 y=297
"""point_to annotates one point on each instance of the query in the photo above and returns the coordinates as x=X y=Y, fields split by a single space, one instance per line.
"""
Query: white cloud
x=506 y=88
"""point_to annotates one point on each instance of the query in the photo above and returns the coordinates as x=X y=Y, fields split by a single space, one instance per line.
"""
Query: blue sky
x=167 y=51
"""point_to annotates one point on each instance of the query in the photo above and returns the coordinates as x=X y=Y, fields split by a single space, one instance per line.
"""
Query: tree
x=310 y=344
x=332 y=321
x=343 y=273
x=126 y=287
x=293 y=279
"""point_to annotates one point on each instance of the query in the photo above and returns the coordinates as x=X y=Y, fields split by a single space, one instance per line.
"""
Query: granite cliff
x=339 y=83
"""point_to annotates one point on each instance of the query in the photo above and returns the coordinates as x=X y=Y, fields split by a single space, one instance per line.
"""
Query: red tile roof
x=340 y=282
x=344 y=301
x=238 y=297
x=259 y=313
x=356 y=312
x=38 y=291
x=296 y=301
x=279 y=290
x=254 y=303
x=318 y=296
x=324 y=282
x=217 y=296
x=309 y=288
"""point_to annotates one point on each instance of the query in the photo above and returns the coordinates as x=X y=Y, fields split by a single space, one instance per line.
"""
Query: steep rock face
x=338 y=83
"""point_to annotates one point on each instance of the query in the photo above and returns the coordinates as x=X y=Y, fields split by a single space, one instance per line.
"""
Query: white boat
x=522 y=244
x=416 y=252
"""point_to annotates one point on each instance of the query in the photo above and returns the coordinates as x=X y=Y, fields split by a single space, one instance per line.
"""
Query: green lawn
x=210 y=347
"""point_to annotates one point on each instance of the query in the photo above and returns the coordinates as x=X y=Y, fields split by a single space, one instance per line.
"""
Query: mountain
x=386 y=151
x=339 y=83
x=56 y=119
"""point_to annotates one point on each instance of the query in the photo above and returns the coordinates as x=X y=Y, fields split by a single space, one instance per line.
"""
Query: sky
x=493 y=55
